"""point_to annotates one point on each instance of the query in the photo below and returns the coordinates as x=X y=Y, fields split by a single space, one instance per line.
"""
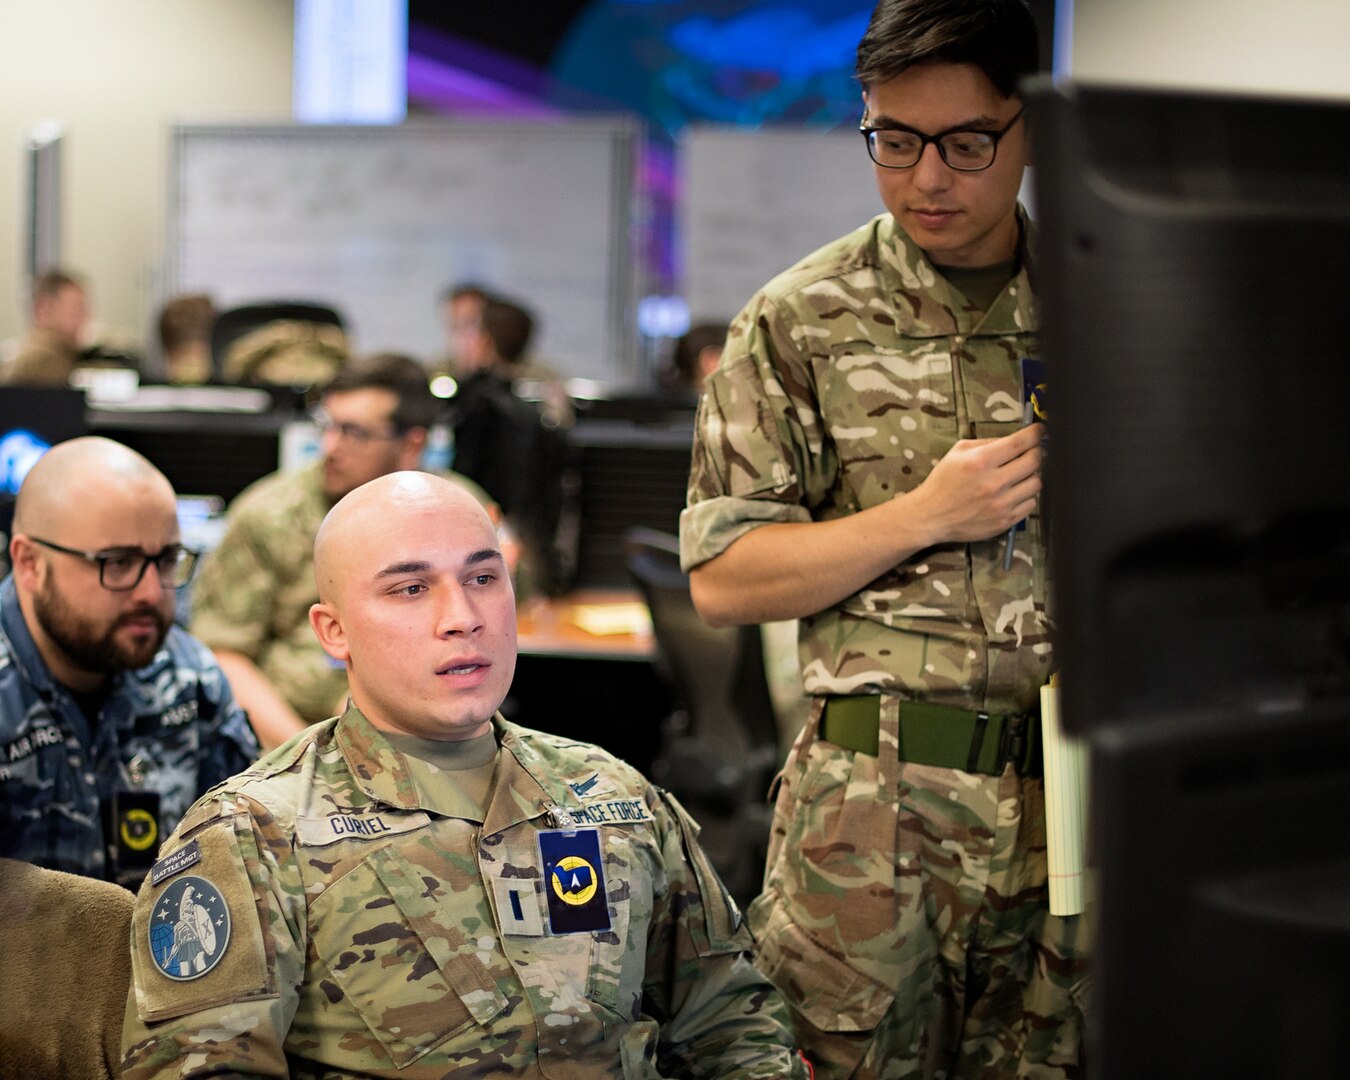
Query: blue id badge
x=1035 y=393
x=1035 y=409
x=574 y=881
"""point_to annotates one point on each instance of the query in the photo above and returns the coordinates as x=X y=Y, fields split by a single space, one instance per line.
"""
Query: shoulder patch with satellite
x=574 y=881
x=189 y=930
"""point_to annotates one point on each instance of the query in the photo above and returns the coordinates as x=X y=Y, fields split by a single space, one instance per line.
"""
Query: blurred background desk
x=599 y=687
x=588 y=624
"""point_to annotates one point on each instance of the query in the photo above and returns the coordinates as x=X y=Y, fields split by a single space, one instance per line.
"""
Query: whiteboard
x=758 y=200
x=377 y=221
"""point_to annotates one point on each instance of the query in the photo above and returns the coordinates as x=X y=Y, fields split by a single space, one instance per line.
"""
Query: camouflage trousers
x=905 y=920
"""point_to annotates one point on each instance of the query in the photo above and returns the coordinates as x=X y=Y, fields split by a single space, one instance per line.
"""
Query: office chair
x=237 y=323
x=720 y=748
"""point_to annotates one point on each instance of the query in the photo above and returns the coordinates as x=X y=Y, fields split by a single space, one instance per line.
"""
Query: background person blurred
x=51 y=350
x=517 y=449
x=695 y=357
x=112 y=719
x=461 y=316
x=697 y=354
x=184 y=326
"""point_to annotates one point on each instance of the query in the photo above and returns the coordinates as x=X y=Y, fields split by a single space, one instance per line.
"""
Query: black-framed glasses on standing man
x=896 y=146
x=121 y=569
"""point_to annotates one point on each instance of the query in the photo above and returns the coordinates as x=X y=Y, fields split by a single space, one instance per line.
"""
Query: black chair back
x=720 y=750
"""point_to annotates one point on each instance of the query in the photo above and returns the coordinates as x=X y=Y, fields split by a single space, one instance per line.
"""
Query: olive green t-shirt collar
x=981 y=285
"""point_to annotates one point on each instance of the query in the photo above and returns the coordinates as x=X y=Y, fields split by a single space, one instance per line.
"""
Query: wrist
x=914 y=526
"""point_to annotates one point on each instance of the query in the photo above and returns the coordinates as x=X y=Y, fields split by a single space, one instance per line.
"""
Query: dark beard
x=86 y=648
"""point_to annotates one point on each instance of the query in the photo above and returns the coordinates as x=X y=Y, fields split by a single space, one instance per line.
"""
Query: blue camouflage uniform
x=165 y=734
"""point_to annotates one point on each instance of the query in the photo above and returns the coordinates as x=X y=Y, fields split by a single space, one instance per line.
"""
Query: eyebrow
x=482 y=555
x=976 y=123
x=414 y=567
x=421 y=566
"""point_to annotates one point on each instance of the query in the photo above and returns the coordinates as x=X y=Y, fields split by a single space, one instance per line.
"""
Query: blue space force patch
x=574 y=881
x=189 y=929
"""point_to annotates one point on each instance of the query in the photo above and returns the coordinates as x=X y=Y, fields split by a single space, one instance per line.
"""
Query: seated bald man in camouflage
x=418 y=887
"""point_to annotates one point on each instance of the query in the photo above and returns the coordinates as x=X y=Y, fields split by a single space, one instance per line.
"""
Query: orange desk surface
x=556 y=627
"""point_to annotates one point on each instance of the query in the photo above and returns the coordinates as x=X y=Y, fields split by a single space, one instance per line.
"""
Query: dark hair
x=417 y=407
x=52 y=281
x=690 y=347
x=997 y=36
x=185 y=319
x=508 y=326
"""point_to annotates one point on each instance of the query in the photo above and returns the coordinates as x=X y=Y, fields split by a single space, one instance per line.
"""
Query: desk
x=556 y=627
x=603 y=688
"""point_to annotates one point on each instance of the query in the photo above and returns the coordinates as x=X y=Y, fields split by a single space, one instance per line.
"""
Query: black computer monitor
x=32 y=421
x=1193 y=271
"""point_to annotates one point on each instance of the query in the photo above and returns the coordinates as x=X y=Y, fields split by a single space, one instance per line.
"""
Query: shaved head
x=415 y=600
x=363 y=514
x=71 y=474
x=82 y=502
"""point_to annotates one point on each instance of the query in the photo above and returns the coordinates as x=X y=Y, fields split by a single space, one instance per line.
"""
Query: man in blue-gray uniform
x=112 y=720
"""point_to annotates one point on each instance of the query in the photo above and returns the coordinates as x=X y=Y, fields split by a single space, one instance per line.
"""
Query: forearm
x=791 y=570
x=273 y=719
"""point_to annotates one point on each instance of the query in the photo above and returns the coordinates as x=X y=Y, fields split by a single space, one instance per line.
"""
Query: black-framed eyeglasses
x=354 y=432
x=964 y=149
x=121 y=570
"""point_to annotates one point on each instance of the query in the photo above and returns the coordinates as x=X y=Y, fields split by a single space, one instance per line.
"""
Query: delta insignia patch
x=189 y=930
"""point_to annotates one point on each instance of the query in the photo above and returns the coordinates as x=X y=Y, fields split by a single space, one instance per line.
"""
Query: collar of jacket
x=387 y=776
x=924 y=304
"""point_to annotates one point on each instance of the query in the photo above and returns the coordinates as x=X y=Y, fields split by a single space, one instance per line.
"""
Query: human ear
x=414 y=442
x=23 y=558
x=327 y=625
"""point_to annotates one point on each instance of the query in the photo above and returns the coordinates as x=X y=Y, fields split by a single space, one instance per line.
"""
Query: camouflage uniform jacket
x=368 y=924
x=843 y=382
x=254 y=591
x=45 y=358
x=171 y=728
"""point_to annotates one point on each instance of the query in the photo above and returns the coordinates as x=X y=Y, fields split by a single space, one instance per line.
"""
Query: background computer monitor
x=32 y=420
x=1193 y=271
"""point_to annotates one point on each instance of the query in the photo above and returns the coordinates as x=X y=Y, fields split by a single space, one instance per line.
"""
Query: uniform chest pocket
x=606 y=965
x=415 y=956
x=892 y=414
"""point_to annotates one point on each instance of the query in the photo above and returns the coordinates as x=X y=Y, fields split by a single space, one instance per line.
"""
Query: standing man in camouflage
x=112 y=720
x=860 y=459
x=419 y=889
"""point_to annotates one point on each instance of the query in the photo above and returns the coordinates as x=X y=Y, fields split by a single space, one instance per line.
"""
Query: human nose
x=151 y=587
x=457 y=614
x=931 y=172
x=329 y=438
